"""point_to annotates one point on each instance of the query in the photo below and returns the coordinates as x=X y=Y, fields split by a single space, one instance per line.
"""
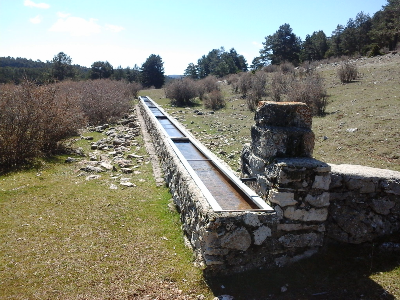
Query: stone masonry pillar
x=280 y=159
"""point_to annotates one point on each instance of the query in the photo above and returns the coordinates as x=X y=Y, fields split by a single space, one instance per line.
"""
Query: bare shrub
x=103 y=100
x=245 y=83
x=270 y=68
x=181 y=91
x=134 y=88
x=347 y=72
x=280 y=84
x=309 y=90
x=33 y=120
x=214 y=100
x=257 y=89
x=233 y=81
x=207 y=85
x=286 y=67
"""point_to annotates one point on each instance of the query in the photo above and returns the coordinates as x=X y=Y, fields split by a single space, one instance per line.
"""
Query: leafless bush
x=309 y=90
x=206 y=85
x=33 y=120
x=286 y=67
x=134 y=88
x=257 y=89
x=245 y=83
x=347 y=72
x=233 y=81
x=104 y=100
x=214 y=100
x=181 y=91
x=270 y=68
x=280 y=84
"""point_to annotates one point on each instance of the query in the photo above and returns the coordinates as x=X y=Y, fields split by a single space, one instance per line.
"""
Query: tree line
x=16 y=70
x=363 y=35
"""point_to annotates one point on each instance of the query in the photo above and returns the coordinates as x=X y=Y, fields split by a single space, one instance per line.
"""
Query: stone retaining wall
x=365 y=203
x=227 y=242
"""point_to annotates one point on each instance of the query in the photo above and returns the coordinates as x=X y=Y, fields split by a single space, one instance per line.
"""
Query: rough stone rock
x=283 y=199
x=261 y=234
x=126 y=170
x=212 y=260
x=128 y=184
x=313 y=214
x=92 y=177
x=92 y=169
x=301 y=240
x=319 y=200
x=298 y=226
x=322 y=182
x=239 y=239
x=70 y=160
x=106 y=165
x=251 y=219
x=382 y=206
x=284 y=114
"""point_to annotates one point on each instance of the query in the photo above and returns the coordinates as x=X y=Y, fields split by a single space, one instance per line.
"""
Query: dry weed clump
x=35 y=119
x=184 y=91
x=181 y=91
x=207 y=85
x=347 y=72
x=310 y=90
x=102 y=101
x=257 y=89
x=214 y=100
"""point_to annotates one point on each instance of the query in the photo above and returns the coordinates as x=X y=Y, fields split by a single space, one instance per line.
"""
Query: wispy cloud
x=37 y=5
x=75 y=26
x=114 y=28
x=36 y=20
x=62 y=15
x=257 y=44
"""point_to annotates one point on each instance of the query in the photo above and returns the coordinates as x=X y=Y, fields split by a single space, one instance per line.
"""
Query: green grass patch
x=65 y=237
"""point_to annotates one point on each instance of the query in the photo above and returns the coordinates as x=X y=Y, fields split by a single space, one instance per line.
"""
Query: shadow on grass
x=338 y=272
x=35 y=164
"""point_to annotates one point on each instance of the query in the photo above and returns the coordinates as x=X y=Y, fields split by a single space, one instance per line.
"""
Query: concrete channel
x=222 y=189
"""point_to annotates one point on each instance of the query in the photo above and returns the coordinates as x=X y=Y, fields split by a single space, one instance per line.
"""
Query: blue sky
x=127 y=32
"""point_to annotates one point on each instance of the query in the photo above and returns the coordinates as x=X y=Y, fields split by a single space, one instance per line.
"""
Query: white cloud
x=36 y=20
x=114 y=28
x=257 y=44
x=75 y=26
x=62 y=15
x=37 y=5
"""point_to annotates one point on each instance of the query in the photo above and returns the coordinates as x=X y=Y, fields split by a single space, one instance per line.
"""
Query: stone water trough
x=285 y=217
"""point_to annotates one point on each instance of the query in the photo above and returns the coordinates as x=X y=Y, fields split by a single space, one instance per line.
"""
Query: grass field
x=65 y=237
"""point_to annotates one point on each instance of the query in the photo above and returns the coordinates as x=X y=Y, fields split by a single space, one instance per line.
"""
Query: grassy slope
x=64 y=237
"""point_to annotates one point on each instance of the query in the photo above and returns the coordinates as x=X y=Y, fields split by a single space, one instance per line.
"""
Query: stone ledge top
x=365 y=172
x=283 y=114
x=302 y=162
